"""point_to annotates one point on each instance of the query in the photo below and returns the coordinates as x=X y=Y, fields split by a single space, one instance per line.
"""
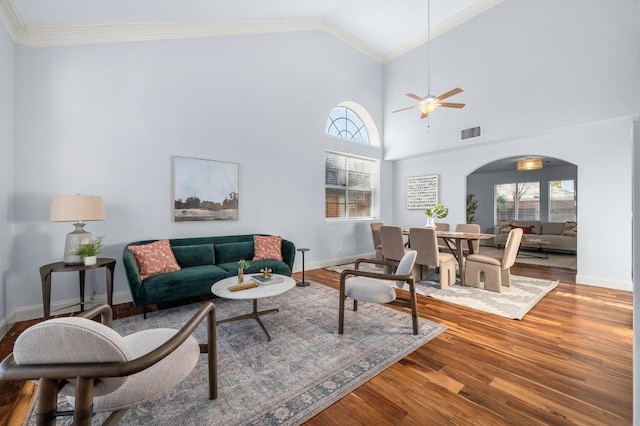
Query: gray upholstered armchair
x=378 y=288
x=101 y=371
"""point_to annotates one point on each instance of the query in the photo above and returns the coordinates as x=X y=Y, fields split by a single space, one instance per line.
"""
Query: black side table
x=47 y=270
x=302 y=283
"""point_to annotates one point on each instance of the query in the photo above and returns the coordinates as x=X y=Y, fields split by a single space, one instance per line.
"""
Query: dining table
x=453 y=241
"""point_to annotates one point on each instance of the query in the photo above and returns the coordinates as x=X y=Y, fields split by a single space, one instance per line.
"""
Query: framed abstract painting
x=204 y=190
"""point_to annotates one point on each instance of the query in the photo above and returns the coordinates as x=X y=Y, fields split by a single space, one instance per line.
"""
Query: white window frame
x=375 y=167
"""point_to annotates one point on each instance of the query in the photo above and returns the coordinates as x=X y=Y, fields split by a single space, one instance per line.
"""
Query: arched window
x=352 y=122
x=346 y=124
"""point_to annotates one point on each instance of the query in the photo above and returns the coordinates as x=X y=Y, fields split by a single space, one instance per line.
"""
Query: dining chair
x=472 y=228
x=425 y=243
x=377 y=287
x=494 y=272
x=393 y=247
x=101 y=371
x=377 y=241
x=443 y=227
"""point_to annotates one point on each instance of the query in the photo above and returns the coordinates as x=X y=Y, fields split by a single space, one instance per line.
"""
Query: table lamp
x=76 y=208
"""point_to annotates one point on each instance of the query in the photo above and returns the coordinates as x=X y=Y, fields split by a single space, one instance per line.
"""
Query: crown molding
x=12 y=21
x=352 y=40
x=444 y=26
x=73 y=35
x=70 y=35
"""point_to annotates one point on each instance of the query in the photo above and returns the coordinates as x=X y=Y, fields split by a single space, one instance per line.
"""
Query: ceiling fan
x=430 y=103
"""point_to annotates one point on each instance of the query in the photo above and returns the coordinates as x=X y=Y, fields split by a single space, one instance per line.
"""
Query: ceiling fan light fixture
x=529 y=163
x=429 y=107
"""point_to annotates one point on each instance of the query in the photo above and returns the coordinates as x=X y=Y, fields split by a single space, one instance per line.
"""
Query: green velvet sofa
x=203 y=261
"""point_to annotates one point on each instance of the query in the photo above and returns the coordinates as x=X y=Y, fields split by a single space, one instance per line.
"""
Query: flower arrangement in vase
x=438 y=211
x=242 y=265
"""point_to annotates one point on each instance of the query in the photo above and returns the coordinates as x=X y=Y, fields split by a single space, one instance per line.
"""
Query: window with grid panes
x=562 y=200
x=519 y=201
x=348 y=186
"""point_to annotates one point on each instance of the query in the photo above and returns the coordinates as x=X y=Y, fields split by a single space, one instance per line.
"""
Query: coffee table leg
x=255 y=314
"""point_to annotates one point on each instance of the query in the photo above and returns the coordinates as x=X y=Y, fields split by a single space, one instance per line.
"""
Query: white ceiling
x=381 y=28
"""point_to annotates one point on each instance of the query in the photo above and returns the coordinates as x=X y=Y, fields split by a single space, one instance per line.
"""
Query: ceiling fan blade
x=416 y=97
x=404 y=109
x=450 y=93
x=424 y=115
x=451 y=105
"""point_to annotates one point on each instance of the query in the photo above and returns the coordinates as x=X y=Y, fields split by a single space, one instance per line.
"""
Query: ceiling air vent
x=471 y=132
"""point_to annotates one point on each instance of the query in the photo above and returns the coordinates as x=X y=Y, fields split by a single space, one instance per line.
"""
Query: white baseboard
x=68 y=306
x=604 y=282
x=331 y=262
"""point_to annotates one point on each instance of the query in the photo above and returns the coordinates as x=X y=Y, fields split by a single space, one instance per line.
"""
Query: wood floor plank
x=568 y=361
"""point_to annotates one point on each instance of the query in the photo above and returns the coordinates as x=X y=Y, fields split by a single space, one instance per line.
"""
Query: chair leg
x=212 y=354
x=493 y=279
x=506 y=277
x=47 y=402
x=83 y=411
x=341 y=299
x=414 y=309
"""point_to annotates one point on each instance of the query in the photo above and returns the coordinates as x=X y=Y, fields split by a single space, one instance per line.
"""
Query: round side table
x=302 y=283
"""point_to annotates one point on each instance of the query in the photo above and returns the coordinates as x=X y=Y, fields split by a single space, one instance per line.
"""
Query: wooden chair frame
x=400 y=301
x=54 y=376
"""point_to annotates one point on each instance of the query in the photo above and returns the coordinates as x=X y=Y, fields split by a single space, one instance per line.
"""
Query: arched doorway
x=545 y=197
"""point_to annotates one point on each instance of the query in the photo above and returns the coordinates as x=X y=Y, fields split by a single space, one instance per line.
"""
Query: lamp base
x=74 y=239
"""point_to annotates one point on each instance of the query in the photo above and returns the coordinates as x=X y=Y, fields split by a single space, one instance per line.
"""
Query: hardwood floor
x=568 y=361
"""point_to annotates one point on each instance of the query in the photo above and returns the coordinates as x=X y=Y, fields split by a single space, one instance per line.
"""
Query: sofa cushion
x=154 y=258
x=194 y=255
x=267 y=248
x=570 y=229
x=276 y=267
x=552 y=228
x=187 y=282
x=232 y=252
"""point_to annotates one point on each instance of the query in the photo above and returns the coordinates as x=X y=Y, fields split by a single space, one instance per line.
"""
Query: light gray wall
x=6 y=173
x=604 y=175
x=533 y=92
x=526 y=67
x=483 y=184
x=107 y=119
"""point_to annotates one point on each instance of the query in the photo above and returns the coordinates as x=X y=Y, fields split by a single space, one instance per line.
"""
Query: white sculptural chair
x=379 y=287
x=101 y=371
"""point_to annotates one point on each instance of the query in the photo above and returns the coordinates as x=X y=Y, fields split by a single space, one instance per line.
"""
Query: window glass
x=562 y=200
x=345 y=124
x=348 y=186
x=519 y=201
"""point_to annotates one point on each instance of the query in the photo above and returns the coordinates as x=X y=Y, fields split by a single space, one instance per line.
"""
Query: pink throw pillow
x=154 y=258
x=267 y=248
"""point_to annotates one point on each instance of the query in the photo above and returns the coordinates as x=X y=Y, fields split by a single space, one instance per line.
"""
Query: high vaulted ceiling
x=383 y=29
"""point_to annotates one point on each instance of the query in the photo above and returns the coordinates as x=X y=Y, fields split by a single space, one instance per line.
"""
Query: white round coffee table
x=220 y=289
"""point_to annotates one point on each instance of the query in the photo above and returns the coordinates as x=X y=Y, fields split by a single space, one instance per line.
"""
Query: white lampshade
x=76 y=208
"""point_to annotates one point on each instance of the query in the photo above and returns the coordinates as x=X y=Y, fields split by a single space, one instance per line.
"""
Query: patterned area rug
x=304 y=369
x=513 y=302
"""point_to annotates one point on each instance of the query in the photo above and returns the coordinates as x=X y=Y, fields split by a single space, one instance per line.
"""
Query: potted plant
x=439 y=211
x=89 y=251
x=242 y=265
